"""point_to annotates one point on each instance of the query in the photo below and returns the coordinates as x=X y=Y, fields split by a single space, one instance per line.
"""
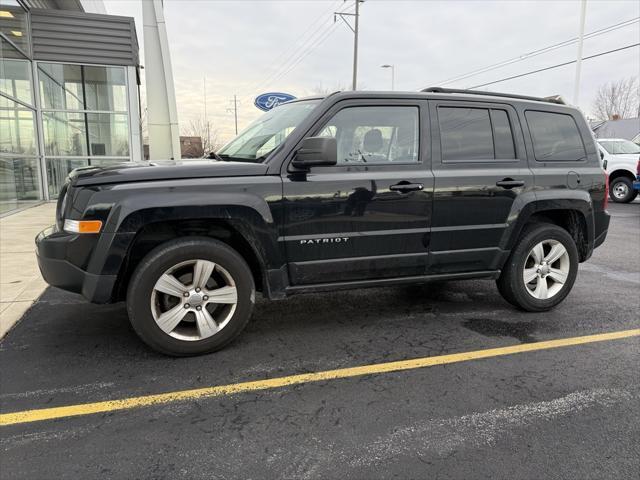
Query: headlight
x=82 y=226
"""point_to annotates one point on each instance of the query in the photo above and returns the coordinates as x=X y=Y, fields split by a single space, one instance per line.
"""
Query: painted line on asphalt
x=37 y=415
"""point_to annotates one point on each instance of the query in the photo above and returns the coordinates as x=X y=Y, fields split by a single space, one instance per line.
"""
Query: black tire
x=164 y=257
x=511 y=283
x=621 y=190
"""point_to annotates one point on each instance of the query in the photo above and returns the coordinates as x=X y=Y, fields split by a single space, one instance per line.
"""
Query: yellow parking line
x=216 y=391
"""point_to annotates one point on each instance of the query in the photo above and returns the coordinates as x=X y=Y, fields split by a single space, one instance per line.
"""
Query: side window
x=555 y=137
x=374 y=135
x=465 y=133
x=475 y=134
x=502 y=134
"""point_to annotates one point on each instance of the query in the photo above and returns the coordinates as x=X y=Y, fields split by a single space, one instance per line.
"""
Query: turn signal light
x=82 y=226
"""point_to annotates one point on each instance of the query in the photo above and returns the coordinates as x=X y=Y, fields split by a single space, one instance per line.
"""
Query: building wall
x=68 y=97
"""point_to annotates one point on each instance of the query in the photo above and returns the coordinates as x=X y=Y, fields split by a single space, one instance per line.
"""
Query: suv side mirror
x=316 y=151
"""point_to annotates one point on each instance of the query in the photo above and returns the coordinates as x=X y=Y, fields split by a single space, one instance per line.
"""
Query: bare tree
x=205 y=130
x=322 y=90
x=620 y=99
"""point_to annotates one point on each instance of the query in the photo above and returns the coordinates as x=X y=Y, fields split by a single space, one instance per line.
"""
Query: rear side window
x=555 y=137
x=475 y=134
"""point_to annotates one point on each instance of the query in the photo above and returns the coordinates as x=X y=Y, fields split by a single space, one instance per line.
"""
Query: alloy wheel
x=546 y=269
x=194 y=300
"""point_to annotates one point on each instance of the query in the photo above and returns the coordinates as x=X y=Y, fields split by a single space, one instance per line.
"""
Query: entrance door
x=369 y=216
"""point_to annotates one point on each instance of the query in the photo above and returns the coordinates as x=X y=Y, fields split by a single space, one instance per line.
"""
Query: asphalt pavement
x=569 y=412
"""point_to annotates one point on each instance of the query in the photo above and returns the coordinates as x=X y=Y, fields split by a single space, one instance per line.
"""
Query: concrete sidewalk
x=20 y=280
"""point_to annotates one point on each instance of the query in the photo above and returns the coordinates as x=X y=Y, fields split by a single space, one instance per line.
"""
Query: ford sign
x=267 y=101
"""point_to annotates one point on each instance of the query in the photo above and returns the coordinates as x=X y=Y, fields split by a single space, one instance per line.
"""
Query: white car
x=621 y=159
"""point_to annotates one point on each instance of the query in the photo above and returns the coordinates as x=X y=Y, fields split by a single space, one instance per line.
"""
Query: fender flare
x=531 y=203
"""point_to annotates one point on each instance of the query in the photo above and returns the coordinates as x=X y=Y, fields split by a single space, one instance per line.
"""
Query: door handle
x=406 y=187
x=510 y=183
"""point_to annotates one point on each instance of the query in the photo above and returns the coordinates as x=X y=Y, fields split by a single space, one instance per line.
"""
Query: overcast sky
x=248 y=47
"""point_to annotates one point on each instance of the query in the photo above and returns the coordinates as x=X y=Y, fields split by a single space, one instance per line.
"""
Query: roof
x=625 y=128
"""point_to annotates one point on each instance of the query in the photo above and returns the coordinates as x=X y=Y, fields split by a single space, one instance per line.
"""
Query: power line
x=298 y=46
x=304 y=50
x=309 y=50
x=554 y=66
x=537 y=52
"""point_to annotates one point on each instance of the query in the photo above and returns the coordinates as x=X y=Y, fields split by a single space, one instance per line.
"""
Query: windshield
x=620 y=147
x=267 y=132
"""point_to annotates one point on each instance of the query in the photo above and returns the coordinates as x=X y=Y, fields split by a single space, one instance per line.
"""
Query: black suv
x=353 y=190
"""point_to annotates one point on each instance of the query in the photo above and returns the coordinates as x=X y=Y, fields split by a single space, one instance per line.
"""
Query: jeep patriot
x=356 y=189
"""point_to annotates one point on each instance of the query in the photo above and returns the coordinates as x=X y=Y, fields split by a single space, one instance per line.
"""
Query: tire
x=621 y=190
x=532 y=296
x=206 y=319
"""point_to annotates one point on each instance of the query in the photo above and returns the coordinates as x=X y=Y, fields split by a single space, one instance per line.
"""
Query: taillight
x=638 y=167
x=606 y=190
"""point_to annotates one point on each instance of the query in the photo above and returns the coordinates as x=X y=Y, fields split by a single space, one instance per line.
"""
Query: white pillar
x=135 y=139
x=162 y=112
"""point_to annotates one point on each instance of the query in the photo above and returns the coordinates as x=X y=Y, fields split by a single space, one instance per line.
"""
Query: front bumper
x=51 y=249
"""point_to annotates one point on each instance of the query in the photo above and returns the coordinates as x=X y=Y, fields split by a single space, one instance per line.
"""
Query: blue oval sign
x=267 y=101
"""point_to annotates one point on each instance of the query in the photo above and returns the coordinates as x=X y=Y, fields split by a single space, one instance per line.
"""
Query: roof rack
x=553 y=99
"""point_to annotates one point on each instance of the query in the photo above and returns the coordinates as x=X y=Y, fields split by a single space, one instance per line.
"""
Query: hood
x=165 y=170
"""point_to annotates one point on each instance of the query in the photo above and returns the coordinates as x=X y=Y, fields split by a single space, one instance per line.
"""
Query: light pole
x=576 y=86
x=393 y=74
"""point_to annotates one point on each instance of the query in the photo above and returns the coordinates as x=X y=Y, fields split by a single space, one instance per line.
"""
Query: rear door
x=368 y=217
x=480 y=169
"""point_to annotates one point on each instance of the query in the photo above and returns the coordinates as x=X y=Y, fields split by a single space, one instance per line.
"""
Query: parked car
x=622 y=160
x=357 y=189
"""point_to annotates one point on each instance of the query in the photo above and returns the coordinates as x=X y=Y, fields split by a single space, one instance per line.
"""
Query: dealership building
x=69 y=95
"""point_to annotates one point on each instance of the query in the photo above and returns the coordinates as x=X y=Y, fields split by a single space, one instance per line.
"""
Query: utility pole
x=576 y=86
x=206 y=118
x=355 y=46
x=355 y=29
x=235 y=111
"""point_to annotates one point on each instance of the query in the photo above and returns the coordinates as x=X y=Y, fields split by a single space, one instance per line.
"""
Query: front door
x=369 y=216
x=480 y=169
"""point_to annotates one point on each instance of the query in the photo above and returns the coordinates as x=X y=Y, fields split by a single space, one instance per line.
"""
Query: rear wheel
x=190 y=296
x=541 y=269
x=621 y=190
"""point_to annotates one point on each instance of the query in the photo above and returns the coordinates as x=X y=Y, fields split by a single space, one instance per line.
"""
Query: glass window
x=19 y=182
x=555 y=137
x=619 y=147
x=61 y=86
x=14 y=24
x=64 y=134
x=105 y=89
x=465 y=133
x=17 y=129
x=15 y=79
x=375 y=135
x=58 y=169
x=502 y=134
x=108 y=134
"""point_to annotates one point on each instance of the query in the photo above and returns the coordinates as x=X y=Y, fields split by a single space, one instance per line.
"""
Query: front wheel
x=541 y=269
x=190 y=296
x=621 y=190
